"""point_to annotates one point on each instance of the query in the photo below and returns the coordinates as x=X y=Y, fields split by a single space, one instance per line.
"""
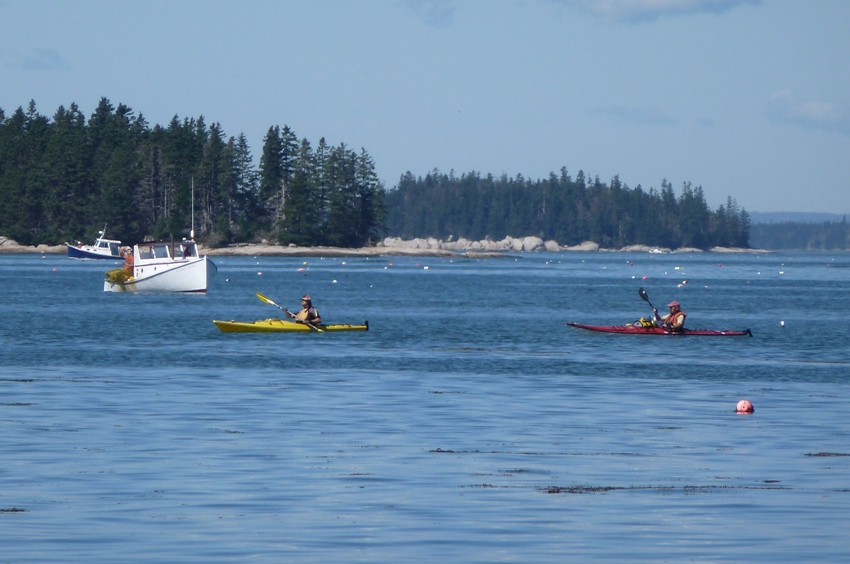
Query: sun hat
x=673 y=303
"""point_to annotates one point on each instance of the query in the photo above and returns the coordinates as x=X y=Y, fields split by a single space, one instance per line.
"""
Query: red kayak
x=639 y=330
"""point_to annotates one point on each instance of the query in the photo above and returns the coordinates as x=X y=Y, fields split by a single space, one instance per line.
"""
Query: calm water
x=469 y=425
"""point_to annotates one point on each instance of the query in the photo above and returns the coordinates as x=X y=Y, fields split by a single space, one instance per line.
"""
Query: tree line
x=568 y=210
x=64 y=178
x=787 y=235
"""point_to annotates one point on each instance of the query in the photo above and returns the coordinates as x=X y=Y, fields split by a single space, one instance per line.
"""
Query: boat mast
x=192 y=232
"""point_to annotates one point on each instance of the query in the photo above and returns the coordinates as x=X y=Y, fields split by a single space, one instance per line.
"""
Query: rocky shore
x=485 y=248
x=10 y=246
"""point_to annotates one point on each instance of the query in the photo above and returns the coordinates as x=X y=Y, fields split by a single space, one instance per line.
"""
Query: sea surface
x=469 y=424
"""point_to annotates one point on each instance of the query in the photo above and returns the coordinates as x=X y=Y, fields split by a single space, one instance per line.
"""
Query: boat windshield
x=113 y=248
x=153 y=251
x=186 y=250
x=164 y=250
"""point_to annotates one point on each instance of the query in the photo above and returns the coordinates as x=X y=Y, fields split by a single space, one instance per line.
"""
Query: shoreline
x=7 y=247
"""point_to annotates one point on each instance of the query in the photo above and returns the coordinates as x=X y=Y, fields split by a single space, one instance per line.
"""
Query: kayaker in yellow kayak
x=673 y=321
x=308 y=313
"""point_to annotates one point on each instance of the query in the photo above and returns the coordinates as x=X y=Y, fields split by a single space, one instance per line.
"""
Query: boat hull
x=638 y=330
x=281 y=326
x=88 y=252
x=187 y=276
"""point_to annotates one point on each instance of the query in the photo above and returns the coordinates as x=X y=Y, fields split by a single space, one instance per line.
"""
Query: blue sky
x=747 y=98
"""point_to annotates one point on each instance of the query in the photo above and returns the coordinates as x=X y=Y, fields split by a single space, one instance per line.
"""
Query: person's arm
x=313 y=316
x=288 y=313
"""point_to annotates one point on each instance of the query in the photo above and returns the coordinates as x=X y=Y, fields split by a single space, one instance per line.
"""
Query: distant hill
x=809 y=232
x=797 y=217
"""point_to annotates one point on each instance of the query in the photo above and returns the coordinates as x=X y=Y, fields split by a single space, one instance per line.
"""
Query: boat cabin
x=166 y=250
x=114 y=247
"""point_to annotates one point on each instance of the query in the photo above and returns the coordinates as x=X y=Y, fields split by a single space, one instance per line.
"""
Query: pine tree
x=271 y=175
x=370 y=200
x=343 y=210
x=302 y=222
x=64 y=168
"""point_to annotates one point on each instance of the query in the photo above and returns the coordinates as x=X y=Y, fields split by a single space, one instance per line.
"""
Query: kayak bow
x=638 y=330
x=281 y=326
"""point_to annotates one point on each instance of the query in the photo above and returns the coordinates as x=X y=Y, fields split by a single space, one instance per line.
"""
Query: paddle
x=645 y=298
x=643 y=295
x=270 y=302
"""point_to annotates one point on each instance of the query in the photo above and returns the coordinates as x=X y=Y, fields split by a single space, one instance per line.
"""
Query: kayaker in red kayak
x=308 y=313
x=673 y=321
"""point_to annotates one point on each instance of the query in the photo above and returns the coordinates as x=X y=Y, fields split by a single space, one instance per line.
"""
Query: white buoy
x=782 y=324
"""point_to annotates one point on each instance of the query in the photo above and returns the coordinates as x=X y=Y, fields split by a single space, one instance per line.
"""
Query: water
x=468 y=425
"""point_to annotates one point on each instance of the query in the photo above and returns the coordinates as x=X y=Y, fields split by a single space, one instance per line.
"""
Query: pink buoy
x=744 y=406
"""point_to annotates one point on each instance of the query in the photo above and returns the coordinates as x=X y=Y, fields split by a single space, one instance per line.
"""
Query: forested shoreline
x=563 y=209
x=64 y=178
x=795 y=235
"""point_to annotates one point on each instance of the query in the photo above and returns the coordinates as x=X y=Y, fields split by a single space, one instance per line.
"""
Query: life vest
x=307 y=314
x=128 y=262
x=669 y=319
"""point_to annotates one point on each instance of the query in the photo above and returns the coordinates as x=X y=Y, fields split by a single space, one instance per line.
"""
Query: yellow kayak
x=282 y=326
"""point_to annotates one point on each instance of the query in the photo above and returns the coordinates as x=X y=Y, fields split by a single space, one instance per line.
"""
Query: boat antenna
x=192 y=232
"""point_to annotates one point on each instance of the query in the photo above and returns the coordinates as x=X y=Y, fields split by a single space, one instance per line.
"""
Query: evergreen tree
x=343 y=209
x=370 y=200
x=272 y=175
x=302 y=222
x=243 y=208
x=64 y=170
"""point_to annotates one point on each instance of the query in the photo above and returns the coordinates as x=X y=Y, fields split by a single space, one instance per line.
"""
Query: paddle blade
x=268 y=301
x=643 y=295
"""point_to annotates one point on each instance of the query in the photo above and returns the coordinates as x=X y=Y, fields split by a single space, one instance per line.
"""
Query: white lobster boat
x=162 y=267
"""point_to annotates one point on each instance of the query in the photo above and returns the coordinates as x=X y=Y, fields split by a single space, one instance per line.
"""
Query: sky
x=746 y=98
